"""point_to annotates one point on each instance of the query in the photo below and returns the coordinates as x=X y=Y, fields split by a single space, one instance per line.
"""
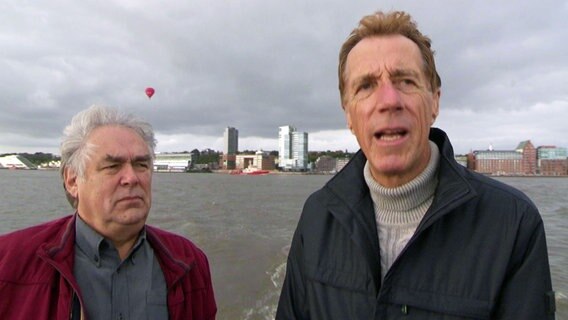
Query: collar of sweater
x=408 y=197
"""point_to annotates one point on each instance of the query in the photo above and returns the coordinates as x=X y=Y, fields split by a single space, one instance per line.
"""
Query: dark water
x=245 y=223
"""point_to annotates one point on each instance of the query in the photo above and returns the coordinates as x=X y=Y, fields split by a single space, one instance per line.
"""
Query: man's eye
x=406 y=83
x=365 y=86
x=111 y=167
x=143 y=165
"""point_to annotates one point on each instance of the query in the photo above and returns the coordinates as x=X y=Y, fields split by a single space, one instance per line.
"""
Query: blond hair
x=380 y=23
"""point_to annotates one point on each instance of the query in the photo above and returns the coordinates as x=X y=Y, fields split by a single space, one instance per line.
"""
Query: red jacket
x=37 y=281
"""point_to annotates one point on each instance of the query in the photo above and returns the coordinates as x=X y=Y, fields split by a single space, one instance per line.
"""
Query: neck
x=409 y=195
x=123 y=238
x=397 y=179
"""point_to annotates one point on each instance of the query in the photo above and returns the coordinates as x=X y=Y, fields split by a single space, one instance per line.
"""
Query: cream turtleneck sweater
x=398 y=211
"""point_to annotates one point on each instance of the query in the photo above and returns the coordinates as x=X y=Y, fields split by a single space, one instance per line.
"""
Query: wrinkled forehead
x=117 y=141
x=379 y=54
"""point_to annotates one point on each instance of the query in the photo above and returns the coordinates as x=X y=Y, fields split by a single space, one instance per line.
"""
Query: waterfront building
x=528 y=162
x=260 y=161
x=340 y=163
x=498 y=162
x=325 y=163
x=284 y=146
x=173 y=162
x=16 y=162
x=292 y=148
x=230 y=148
x=525 y=160
x=230 y=141
x=228 y=161
x=300 y=149
x=552 y=161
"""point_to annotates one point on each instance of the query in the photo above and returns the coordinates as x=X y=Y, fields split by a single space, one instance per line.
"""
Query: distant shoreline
x=276 y=172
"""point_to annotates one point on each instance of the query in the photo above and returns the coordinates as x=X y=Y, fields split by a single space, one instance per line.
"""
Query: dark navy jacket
x=479 y=253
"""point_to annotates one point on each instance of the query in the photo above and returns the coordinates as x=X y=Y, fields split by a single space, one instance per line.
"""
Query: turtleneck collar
x=410 y=195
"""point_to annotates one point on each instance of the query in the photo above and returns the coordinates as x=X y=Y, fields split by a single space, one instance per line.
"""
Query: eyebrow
x=365 y=78
x=404 y=72
x=394 y=73
x=119 y=159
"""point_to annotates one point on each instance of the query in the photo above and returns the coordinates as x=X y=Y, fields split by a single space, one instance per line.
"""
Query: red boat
x=250 y=172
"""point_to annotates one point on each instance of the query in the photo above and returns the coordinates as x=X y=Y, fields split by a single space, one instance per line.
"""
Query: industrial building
x=174 y=162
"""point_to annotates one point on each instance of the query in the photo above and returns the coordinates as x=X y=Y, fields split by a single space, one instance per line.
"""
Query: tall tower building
x=230 y=148
x=230 y=141
x=284 y=144
x=292 y=148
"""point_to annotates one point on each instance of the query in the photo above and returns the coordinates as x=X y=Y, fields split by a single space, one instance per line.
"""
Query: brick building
x=524 y=160
x=528 y=159
x=552 y=161
x=325 y=164
x=497 y=162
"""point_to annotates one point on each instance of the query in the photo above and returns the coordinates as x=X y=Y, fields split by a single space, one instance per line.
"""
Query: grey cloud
x=256 y=65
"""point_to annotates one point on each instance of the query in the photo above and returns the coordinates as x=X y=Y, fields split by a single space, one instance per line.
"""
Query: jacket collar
x=173 y=266
x=352 y=206
x=60 y=252
x=351 y=191
x=453 y=188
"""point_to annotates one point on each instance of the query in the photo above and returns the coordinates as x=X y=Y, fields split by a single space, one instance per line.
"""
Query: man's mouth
x=390 y=135
x=130 y=198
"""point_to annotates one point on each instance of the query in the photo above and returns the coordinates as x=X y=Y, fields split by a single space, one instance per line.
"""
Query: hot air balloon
x=150 y=92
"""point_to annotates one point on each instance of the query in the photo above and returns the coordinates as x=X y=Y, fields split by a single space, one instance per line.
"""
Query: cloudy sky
x=260 y=64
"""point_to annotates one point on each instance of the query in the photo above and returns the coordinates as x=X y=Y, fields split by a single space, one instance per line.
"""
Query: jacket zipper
x=435 y=215
x=50 y=262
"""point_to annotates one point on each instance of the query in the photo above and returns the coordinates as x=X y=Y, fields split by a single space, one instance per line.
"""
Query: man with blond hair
x=404 y=231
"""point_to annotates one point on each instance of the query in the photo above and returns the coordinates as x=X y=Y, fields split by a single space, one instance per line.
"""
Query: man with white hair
x=104 y=262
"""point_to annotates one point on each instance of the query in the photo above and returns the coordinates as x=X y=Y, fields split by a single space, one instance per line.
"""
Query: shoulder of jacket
x=487 y=184
x=498 y=193
x=179 y=247
x=20 y=250
x=34 y=236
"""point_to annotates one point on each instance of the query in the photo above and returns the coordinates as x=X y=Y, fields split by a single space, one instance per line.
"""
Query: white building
x=16 y=162
x=292 y=149
x=172 y=162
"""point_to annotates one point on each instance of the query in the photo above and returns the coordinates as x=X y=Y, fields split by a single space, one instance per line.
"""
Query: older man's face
x=389 y=107
x=114 y=196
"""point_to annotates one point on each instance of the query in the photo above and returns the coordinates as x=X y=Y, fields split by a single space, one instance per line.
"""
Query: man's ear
x=436 y=105
x=348 y=118
x=70 y=182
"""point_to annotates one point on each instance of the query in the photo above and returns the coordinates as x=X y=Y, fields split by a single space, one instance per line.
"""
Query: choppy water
x=245 y=223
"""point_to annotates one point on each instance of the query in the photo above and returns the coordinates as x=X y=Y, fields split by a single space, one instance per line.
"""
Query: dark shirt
x=134 y=288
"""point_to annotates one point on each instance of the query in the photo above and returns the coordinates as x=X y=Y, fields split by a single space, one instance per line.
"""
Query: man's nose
x=129 y=176
x=388 y=98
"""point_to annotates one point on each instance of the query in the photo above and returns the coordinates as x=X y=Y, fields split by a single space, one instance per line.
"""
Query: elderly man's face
x=115 y=193
x=389 y=107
